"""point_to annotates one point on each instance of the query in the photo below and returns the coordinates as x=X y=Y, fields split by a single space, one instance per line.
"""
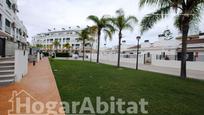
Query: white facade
x=63 y=37
x=166 y=48
x=9 y=21
x=21 y=64
x=161 y=47
x=12 y=31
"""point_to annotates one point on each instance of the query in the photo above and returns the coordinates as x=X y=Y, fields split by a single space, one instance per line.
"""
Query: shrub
x=46 y=54
x=62 y=55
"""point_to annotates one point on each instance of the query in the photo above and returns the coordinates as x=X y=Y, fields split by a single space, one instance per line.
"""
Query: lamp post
x=105 y=45
x=138 y=43
x=124 y=41
x=91 y=51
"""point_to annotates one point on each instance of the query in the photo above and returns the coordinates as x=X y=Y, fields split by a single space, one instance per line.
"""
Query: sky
x=40 y=15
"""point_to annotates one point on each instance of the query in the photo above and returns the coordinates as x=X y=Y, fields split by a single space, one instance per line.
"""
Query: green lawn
x=166 y=94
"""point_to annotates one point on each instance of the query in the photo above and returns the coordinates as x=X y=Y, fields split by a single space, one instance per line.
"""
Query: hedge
x=62 y=55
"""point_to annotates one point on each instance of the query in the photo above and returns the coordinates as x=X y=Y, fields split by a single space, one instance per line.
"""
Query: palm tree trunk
x=119 y=48
x=185 y=30
x=83 y=50
x=98 y=53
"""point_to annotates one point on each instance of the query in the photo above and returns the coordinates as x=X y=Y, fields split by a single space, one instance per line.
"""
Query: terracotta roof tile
x=195 y=41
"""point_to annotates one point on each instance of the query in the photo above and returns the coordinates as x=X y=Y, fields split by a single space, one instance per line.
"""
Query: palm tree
x=50 y=47
x=93 y=33
x=56 y=44
x=188 y=14
x=84 y=36
x=67 y=46
x=102 y=24
x=39 y=46
x=121 y=22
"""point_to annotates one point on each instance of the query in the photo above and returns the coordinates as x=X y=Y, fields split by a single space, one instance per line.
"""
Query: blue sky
x=41 y=15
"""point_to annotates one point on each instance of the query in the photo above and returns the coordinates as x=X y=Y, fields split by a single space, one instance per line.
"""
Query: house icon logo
x=22 y=103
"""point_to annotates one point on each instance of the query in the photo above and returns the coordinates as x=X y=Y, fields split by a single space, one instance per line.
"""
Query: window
x=148 y=54
x=14 y=8
x=8 y=23
x=7 y=27
x=20 y=32
x=63 y=40
x=17 y=33
x=47 y=34
x=78 y=45
x=8 y=3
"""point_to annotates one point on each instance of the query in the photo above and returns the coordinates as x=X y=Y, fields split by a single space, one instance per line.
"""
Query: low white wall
x=114 y=57
x=21 y=64
x=196 y=65
x=38 y=56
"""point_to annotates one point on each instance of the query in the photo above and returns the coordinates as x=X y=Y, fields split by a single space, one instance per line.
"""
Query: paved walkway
x=39 y=83
x=195 y=74
x=165 y=70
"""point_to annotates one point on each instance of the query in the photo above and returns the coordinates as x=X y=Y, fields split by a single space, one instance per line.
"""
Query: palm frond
x=83 y=34
x=56 y=43
x=94 y=18
x=129 y=27
x=108 y=34
x=93 y=30
x=131 y=19
x=177 y=22
x=149 y=21
x=160 y=3
x=196 y=16
x=110 y=27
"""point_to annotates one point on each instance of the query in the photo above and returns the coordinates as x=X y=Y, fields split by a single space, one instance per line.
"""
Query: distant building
x=45 y=40
x=170 y=49
x=13 y=34
x=167 y=48
x=195 y=47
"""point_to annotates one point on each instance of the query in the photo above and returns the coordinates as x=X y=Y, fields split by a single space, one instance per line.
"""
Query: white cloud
x=40 y=15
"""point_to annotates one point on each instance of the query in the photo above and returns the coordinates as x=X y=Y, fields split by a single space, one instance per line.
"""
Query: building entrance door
x=2 y=47
x=189 y=56
x=147 y=58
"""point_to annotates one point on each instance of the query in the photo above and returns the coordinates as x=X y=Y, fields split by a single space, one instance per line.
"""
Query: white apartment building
x=13 y=33
x=63 y=37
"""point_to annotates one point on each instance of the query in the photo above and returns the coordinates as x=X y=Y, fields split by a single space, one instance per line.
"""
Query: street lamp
x=124 y=41
x=105 y=45
x=138 y=43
